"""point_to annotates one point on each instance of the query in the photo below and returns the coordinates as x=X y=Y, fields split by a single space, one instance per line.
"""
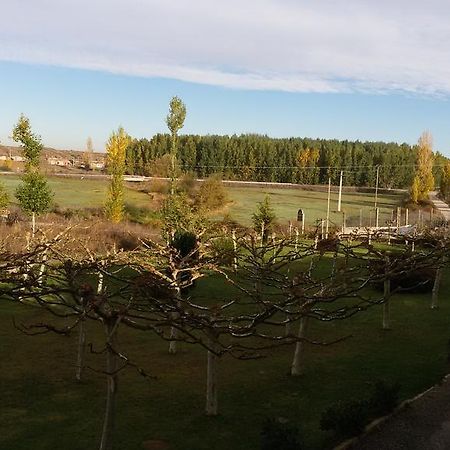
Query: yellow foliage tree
x=115 y=159
x=424 y=167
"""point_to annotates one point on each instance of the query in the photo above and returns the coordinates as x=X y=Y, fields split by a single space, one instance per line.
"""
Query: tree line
x=252 y=157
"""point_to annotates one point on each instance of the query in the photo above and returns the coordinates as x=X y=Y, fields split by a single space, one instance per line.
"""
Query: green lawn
x=44 y=408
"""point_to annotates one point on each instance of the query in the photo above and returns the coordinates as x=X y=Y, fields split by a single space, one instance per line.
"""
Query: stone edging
x=376 y=423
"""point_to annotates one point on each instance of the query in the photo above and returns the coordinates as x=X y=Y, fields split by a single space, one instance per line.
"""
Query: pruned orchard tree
x=273 y=286
x=279 y=280
x=34 y=194
x=115 y=152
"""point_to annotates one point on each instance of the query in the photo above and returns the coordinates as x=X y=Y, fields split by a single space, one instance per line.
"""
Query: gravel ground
x=422 y=425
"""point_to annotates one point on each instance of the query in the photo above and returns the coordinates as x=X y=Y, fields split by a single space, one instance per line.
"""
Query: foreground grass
x=43 y=407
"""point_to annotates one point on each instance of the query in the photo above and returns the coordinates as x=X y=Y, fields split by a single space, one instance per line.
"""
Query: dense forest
x=294 y=160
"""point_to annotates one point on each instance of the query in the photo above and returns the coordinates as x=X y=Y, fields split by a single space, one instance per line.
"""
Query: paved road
x=422 y=425
x=441 y=206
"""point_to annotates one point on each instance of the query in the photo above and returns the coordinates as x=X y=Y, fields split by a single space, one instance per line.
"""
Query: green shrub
x=346 y=419
x=223 y=251
x=384 y=399
x=279 y=436
x=185 y=242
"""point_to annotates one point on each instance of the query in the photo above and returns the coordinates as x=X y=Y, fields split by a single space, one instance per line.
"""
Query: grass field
x=44 y=408
x=286 y=203
x=78 y=192
x=81 y=193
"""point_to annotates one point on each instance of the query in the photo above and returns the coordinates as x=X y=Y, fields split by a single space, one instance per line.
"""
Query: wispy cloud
x=285 y=45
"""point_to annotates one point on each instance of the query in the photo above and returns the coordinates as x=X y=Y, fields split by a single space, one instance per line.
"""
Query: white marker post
x=340 y=191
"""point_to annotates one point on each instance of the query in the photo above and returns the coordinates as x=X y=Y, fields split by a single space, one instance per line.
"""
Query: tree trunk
x=81 y=350
x=111 y=391
x=436 y=286
x=33 y=223
x=173 y=345
x=386 y=305
x=212 y=404
x=297 y=362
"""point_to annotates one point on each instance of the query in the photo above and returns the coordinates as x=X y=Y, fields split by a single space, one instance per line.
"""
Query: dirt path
x=441 y=206
x=422 y=425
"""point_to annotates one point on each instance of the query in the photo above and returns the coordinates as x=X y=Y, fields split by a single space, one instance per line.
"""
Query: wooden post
x=376 y=186
x=296 y=238
x=406 y=217
x=377 y=212
x=397 y=223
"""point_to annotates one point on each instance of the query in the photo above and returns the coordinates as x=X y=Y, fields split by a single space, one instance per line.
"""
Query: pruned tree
x=116 y=149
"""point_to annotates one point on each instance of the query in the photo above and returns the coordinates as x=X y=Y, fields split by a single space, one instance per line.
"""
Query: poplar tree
x=175 y=121
x=34 y=194
x=423 y=180
x=116 y=149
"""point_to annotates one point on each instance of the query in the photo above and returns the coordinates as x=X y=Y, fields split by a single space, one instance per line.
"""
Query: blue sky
x=367 y=70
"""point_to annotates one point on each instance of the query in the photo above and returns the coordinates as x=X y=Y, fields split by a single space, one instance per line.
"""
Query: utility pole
x=340 y=191
x=376 y=186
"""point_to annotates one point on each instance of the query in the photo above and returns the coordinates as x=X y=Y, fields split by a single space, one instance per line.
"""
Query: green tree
x=264 y=218
x=34 y=194
x=424 y=166
x=30 y=142
x=116 y=149
x=175 y=121
x=211 y=194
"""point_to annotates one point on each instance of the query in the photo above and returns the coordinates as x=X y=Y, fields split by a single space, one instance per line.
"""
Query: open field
x=78 y=192
x=286 y=203
x=39 y=394
x=81 y=193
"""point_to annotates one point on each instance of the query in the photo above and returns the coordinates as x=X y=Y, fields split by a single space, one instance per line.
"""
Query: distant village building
x=99 y=165
x=61 y=162
x=17 y=158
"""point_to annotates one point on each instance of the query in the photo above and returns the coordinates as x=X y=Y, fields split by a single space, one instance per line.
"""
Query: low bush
x=223 y=251
x=384 y=399
x=346 y=419
x=279 y=436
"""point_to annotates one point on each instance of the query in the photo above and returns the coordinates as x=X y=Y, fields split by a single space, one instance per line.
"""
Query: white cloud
x=288 y=45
